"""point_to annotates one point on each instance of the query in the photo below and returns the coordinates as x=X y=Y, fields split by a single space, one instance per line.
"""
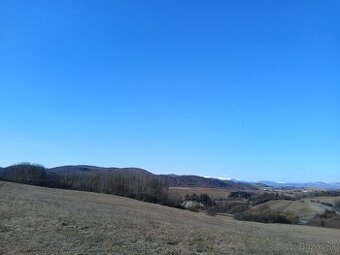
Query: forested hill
x=134 y=183
x=67 y=177
x=197 y=181
x=170 y=180
x=129 y=182
x=76 y=169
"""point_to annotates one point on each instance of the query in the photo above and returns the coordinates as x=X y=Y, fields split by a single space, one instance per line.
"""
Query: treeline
x=239 y=203
x=337 y=205
x=202 y=198
x=133 y=183
x=24 y=173
x=198 y=181
x=328 y=219
x=324 y=193
x=229 y=207
x=265 y=214
x=256 y=198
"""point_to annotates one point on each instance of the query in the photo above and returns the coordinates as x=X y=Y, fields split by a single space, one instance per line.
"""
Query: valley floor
x=36 y=220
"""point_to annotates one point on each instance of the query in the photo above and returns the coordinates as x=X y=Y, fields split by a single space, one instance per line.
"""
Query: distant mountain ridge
x=86 y=168
x=320 y=185
x=199 y=181
x=170 y=180
x=173 y=180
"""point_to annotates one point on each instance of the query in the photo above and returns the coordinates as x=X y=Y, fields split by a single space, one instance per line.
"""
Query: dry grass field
x=214 y=193
x=36 y=220
x=330 y=200
x=304 y=208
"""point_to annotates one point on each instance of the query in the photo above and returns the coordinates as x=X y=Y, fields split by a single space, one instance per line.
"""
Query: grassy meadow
x=37 y=220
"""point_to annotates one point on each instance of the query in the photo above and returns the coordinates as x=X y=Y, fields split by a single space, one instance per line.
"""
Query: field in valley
x=36 y=220
x=306 y=208
x=214 y=193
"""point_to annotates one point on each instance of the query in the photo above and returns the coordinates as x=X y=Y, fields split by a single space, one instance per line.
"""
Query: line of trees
x=255 y=198
x=337 y=205
x=265 y=214
x=130 y=183
x=133 y=183
x=24 y=173
x=201 y=198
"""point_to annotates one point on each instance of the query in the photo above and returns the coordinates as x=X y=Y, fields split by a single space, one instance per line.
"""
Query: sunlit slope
x=306 y=208
x=36 y=220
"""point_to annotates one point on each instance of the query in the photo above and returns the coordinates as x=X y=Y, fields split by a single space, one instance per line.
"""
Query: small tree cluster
x=24 y=173
x=337 y=205
x=267 y=215
x=202 y=198
x=328 y=218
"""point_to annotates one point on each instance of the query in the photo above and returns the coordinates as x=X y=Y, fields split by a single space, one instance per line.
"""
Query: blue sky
x=243 y=89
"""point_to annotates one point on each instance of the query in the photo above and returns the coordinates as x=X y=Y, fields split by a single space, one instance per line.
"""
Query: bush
x=262 y=198
x=337 y=205
x=266 y=215
x=205 y=200
x=191 y=197
x=212 y=211
x=231 y=207
x=327 y=219
x=202 y=198
x=240 y=195
x=255 y=198
x=327 y=204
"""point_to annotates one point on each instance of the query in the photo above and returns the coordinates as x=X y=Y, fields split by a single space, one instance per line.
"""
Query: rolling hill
x=198 y=181
x=170 y=180
x=319 y=185
x=37 y=220
x=306 y=208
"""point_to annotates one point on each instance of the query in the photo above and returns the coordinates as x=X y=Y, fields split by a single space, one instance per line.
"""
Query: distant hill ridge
x=173 y=180
x=130 y=182
x=169 y=180
x=320 y=185
x=199 y=181
x=87 y=168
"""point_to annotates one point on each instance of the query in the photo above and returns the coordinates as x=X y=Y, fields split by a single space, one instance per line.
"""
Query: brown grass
x=214 y=193
x=306 y=208
x=330 y=200
x=36 y=220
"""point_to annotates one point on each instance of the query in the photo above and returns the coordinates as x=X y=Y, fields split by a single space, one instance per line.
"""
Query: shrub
x=205 y=200
x=266 y=215
x=211 y=211
x=231 y=206
x=240 y=195
x=327 y=219
x=337 y=205
x=327 y=204
x=202 y=198
x=262 y=198
x=192 y=197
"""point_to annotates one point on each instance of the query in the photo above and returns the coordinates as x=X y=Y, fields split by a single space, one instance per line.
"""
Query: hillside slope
x=37 y=220
x=306 y=208
x=64 y=176
x=198 y=181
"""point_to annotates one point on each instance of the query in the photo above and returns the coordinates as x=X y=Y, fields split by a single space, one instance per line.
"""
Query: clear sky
x=242 y=89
